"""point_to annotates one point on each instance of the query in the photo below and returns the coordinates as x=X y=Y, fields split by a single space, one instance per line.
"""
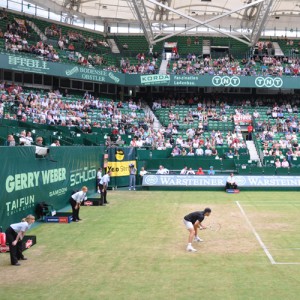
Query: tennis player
x=192 y=221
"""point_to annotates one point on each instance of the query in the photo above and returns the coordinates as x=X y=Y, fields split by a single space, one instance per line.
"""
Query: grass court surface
x=134 y=248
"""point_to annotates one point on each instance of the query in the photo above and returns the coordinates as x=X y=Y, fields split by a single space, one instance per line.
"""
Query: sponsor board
x=120 y=168
x=155 y=79
x=220 y=181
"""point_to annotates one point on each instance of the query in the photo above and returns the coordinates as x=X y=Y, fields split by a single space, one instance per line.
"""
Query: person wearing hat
x=200 y=172
x=211 y=171
x=132 y=174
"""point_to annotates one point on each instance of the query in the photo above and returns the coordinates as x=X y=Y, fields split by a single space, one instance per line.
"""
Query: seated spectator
x=39 y=141
x=211 y=171
x=176 y=151
x=190 y=172
x=277 y=163
x=199 y=151
x=231 y=182
x=162 y=170
x=23 y=140
x=285 y=163
x=200 y=172
x=183 y=171
x=55 y=143
x=191 y=152
x=10 y=141
x=208 y=151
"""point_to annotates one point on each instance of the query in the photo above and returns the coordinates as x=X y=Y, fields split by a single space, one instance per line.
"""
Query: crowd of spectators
x=256 y=65
x=16 y=40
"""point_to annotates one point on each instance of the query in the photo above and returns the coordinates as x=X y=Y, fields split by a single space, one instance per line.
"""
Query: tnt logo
x=269 y=82
x=226 y=81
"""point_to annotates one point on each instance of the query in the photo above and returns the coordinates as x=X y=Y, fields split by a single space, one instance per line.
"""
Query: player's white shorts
x=188 y=224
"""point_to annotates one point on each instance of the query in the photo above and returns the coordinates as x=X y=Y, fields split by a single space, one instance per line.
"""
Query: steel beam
x=260 y=20
x=210 y=20
x=199 y=23
x=140 y=11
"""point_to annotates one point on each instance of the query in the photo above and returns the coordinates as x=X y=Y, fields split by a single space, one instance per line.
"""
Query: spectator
x=285 y=163
x=10 y=141
x=277 y=163
x=190 y=172
x=162 y=170
x=200 y=172
x=39 y=141
x=183 y=171
x=211 y=171
x=55 y=143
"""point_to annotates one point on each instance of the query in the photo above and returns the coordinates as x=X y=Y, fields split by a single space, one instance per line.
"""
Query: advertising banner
x=27 y=180
x=242 y=119
x=118 y=163
x=32 y=64
x=220 y=181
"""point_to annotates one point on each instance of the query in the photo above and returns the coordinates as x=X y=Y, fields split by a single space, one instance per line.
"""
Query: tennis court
x=134 y=248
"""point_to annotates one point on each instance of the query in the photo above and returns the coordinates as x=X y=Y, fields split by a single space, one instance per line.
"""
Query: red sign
x=63 y=220
x=242 y=119
x=28 y=244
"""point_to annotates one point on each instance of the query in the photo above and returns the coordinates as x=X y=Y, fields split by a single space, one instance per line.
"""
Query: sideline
x=256 y=235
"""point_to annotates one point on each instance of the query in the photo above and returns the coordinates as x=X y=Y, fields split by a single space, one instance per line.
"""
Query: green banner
x=27 y=180
x=38 y=66
x=33 y=65
x=118 y=163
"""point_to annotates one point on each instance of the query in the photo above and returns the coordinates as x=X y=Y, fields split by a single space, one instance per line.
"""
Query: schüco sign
x=226 y=81
x=269 y=82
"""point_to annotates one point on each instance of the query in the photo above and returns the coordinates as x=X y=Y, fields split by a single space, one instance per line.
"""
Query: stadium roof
x=283 y=13
x=248 y=18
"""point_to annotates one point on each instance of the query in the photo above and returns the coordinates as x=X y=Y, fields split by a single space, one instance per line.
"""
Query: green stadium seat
x=282 y=171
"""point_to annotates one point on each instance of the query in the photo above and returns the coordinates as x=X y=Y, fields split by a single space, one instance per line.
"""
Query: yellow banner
x=120 y=168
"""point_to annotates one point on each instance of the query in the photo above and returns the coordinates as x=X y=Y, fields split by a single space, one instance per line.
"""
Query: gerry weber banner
x=26 y=180
x=220 y=181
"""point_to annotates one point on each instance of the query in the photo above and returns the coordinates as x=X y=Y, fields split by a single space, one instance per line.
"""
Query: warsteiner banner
x=118 y=163
x=26 y=180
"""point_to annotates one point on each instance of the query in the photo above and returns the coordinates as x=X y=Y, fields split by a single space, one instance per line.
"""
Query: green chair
x=244 y=170
x=257 y=170
x=269 y=170
x=282 y=171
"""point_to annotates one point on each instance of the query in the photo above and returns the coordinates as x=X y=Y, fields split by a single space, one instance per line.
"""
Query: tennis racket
x=213 y=226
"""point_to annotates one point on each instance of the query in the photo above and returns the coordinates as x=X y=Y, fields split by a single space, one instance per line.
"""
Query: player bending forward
x=192 y=222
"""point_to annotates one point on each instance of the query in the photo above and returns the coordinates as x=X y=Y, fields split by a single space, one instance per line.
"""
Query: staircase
x=163 y=66
x=253 y=152
x=113 y=46
x=38 y=31
x=148 y=111
x=206 y=48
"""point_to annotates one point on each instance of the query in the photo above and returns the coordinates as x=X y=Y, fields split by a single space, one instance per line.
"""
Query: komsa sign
x=269 y=82
x=226 y=81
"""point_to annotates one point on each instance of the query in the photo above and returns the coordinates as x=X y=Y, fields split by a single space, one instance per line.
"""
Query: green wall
x=27 y=180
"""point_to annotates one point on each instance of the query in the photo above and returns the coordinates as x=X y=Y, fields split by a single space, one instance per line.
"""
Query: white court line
x=287 y=263
x=256 y=235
